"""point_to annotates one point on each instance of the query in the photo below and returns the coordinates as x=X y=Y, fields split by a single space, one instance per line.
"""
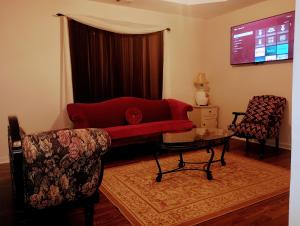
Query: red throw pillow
x=133 y=116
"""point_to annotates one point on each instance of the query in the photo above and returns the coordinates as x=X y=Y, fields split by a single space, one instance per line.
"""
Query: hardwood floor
x=270 y=212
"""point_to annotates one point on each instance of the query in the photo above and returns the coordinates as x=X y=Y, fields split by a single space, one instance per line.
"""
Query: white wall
x=30 y=60
x=294 y=218
x=233 y=86
x=30 y=57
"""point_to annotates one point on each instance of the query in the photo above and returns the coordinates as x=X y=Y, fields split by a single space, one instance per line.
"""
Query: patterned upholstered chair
x=261 y=120
x=56 y=169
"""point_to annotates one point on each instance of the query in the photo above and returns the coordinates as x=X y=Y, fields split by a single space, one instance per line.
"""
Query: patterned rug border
x=130 y=216
x=132 y=219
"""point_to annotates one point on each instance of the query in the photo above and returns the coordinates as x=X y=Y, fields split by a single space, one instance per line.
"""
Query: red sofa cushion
x=150 y=128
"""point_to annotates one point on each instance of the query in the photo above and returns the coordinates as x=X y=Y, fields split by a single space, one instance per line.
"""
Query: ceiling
x=204 y=11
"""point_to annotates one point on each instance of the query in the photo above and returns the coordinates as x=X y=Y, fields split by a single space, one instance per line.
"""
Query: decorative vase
x=201 y=98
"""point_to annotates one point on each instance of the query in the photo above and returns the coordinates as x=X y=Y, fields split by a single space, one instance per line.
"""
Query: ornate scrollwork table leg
x=208 y=172
x=225 y=148
x=181 y=162
x=159 y=174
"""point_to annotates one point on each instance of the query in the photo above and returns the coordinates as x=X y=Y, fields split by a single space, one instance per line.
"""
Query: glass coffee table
x=195 y=139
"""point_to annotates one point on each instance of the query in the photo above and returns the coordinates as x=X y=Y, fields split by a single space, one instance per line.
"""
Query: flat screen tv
x=269 y=39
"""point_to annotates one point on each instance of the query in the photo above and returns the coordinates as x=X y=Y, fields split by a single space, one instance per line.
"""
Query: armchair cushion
x=61 y=166
x=259 y=111
x=259 y=131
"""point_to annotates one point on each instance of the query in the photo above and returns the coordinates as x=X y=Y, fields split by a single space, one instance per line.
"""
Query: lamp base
x=201 y=98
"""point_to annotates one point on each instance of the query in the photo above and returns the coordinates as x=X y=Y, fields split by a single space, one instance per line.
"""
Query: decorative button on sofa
x=157 y=117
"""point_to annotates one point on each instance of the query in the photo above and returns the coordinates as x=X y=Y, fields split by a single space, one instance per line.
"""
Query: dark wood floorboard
x=270 y=212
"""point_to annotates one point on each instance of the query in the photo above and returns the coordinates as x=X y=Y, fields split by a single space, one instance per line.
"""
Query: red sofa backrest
x=112 y=112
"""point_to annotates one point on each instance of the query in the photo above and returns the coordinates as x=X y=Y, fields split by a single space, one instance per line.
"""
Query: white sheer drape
x=66 y=72
x=66 y=89
x=122 y=27
x=116 y=26
x=166 y=76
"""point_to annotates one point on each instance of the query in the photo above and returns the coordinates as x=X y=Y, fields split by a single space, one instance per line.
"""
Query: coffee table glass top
x=195 y=139
x=196 y=134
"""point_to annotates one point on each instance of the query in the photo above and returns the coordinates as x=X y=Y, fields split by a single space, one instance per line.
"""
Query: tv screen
x=269 y=39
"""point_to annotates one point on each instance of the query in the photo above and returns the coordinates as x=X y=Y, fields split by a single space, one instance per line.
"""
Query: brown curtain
x=107 y=65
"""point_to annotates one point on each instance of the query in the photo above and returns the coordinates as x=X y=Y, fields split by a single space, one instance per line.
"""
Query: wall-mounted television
x=269 y=39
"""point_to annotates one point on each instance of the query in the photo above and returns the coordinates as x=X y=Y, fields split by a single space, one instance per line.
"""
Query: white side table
x=205 y=116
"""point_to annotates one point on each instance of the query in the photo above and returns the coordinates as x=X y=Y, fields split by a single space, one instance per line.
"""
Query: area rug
x=187 y=197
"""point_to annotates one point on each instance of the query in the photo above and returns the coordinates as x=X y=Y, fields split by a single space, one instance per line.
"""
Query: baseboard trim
x=4 y=159
x=283 y=146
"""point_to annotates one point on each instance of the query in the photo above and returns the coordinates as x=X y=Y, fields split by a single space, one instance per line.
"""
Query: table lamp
x=201 y=95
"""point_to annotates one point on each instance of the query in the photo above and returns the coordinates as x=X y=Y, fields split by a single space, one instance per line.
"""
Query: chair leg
x=228 y=146
x=89 y=214
x=277 y=144
x=247 y=144
x=262 y=148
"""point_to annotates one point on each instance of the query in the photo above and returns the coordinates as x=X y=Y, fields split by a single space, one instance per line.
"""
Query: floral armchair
x=261 y=120
x=57 y=168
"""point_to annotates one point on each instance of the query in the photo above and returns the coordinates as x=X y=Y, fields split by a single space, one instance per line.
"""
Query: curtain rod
x=60 y=14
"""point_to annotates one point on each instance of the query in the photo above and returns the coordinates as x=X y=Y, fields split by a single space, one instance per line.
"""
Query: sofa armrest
x=63 y=165
x=179 y=109
x=78 y=119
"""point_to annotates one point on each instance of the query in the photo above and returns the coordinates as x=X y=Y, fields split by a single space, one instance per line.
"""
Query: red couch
x=158 y=116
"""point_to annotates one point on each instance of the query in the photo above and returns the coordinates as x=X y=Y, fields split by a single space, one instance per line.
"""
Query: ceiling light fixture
x=194 y=2
x=126 y=1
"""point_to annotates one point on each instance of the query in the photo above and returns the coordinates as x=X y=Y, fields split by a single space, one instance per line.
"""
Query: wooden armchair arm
x=236 y=115
x=14 y=132
x=16 y=159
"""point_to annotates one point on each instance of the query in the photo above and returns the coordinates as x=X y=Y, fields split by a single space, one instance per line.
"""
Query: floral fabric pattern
x=63 y=165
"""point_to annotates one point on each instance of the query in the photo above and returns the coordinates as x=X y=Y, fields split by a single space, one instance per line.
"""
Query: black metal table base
x=206 y=165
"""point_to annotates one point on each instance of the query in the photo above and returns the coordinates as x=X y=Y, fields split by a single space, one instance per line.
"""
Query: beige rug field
x=187 y=197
